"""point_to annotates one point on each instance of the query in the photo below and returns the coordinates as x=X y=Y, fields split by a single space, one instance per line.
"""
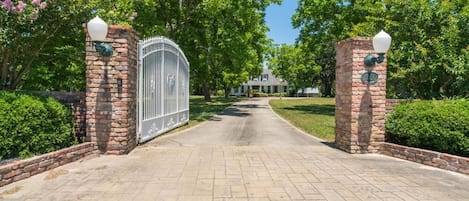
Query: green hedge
x=33 y=124
x=437 y=125
x=257 y=93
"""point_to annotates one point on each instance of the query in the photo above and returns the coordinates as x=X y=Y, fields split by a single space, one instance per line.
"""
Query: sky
x=278 y=18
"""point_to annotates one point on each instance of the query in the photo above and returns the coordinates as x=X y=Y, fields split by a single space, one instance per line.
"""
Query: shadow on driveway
x=328 y=110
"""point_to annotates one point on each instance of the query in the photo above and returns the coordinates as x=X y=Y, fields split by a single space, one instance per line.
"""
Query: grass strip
x=312 y=115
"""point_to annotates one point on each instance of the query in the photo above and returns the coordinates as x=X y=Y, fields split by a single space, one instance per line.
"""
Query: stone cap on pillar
x=355 y=42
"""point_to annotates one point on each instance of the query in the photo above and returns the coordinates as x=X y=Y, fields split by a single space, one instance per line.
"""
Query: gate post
x=111 y=91
x=360 y=107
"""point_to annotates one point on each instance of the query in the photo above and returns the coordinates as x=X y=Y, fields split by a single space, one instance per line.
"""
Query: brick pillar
x=360 y=107
x=111 y=110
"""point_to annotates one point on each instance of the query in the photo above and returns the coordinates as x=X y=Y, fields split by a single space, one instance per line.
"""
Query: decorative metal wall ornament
x=369 y=77
x=381 y=44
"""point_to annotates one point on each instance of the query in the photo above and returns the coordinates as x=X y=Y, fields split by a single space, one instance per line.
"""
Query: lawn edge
x=292 y=125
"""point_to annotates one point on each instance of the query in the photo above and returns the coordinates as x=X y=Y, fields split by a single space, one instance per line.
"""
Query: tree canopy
x=43 y=42
x=429 y=54
x=292 y=63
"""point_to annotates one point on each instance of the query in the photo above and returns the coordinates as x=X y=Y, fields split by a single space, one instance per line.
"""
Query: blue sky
x=278 y=18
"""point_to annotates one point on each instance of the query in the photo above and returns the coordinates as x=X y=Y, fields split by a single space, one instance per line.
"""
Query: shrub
x=277 y=94
x=33 y=124
x=437 y=125
x=257 y=93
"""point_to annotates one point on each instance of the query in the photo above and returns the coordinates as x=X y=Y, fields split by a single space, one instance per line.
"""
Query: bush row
x=33 y=124
x=436 y=125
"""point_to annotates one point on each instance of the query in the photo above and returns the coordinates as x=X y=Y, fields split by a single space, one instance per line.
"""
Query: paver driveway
x=247 y=153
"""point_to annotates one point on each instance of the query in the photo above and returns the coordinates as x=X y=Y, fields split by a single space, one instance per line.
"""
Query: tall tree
x=427 y=59
x=223 y=40
x=293 y=64
x=428 y=56
x=226 y=38
x=322 y=23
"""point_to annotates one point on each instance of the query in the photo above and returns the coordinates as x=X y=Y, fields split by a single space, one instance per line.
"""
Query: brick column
x=360 y=107
x=111 y=109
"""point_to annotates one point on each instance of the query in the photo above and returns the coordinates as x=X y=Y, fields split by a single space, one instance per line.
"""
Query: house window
x=265 y=77
x=275 y=89
x=242 y=89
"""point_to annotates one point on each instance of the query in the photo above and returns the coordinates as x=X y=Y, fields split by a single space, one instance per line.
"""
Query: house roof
x=269 y=80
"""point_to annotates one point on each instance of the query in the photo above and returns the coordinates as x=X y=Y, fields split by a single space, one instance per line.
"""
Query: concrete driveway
x=246 y=153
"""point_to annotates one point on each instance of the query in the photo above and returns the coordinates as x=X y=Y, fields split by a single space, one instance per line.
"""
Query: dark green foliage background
x=437 y=125
x=33 y=124
x=429 y=54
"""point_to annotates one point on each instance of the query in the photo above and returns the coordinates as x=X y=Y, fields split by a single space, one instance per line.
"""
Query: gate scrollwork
x=171 y=82
x=163 y=80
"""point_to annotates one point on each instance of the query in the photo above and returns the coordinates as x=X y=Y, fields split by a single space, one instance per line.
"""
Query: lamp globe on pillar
x=97 y=29
x=381 y=44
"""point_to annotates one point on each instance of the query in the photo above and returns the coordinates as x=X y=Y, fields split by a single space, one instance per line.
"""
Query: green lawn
x=199 y=110
x=312 y=115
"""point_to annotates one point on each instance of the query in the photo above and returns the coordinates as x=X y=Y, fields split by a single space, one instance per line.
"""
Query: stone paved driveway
x=175 y=168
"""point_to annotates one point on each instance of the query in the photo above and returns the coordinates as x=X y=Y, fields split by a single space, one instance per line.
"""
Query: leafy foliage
x=322 y=23
x=427 y=58
x=438 y=125
x=292 y=64
x=32 y=124
x=45 y=38
x=429 y=53
x=227 y=43
x=223 y=40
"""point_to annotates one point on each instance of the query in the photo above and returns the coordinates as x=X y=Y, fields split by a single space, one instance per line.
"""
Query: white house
x=266 y=83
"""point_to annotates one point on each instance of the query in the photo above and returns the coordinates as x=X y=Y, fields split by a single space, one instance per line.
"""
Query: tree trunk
x=5 y=71
x=327 y=89
x=207 y=92
x=227 y=92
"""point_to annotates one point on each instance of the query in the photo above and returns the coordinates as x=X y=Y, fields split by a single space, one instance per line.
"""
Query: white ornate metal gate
x=163 y=87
